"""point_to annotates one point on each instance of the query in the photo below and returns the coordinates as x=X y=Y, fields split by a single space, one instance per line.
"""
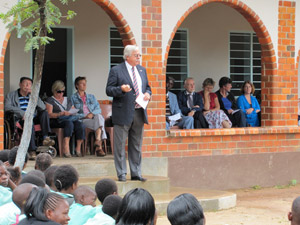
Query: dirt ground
x=266 y=206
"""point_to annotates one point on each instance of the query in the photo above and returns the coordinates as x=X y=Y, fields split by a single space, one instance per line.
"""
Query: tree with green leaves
x=34 y=20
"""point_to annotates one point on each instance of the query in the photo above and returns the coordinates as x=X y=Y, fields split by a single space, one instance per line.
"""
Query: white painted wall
x=91 y=48
x=132 y=12
x=266 y=9
x=209 y=41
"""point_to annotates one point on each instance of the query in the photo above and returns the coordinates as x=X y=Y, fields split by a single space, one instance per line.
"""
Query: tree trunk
x=38 y=69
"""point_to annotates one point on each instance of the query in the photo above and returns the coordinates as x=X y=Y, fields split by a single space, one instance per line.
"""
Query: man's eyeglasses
x=137 y=55
x=59 y=92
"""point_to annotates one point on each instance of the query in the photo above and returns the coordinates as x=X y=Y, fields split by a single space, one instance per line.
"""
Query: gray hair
x=58 y=85
x=128 y=50
x=186 y=79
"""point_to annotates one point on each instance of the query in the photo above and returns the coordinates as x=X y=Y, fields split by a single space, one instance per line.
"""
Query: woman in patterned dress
x=215 y=117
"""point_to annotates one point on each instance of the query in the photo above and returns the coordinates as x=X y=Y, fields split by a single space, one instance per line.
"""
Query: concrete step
x=211 y=200
x=91 y=169
x=155 y=185
x=92 y=166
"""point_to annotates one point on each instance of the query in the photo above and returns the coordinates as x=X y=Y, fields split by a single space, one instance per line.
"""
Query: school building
x=255 y=40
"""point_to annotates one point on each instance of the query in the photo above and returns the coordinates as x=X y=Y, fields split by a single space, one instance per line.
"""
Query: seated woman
x=215 y=117
x=228 y=103
x=248 y=104
x=58 y=108
x=90 y=112
x=43 y=207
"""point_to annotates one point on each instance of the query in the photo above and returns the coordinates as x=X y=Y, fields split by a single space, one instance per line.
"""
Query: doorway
x=58 y=63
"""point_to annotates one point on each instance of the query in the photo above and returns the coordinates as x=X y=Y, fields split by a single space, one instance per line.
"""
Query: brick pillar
x=5 y=42
x=285 y=98
x=152 y=60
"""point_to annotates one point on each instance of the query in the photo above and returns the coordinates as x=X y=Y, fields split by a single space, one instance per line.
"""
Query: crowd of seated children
x=33 y=203
x=212 y=110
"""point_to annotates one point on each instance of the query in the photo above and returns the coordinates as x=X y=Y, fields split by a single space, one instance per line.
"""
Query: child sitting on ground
x=104 y=188
x=15 y=174
x=84 y=206
x=13 y=212
x=6 y=185
x=110 y=210
x=12 y=159
x=49 y=174
x=65 y=181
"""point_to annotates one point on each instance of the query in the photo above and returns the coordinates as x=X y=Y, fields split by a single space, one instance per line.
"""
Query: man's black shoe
x=139 y=178
x=122 y=178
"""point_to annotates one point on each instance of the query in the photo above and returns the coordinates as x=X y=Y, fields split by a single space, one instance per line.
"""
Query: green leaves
x=24 y=18
x=71 y=14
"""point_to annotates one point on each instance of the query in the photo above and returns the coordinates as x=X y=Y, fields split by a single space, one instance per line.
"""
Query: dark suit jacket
x=182 y=102
x=123 y=105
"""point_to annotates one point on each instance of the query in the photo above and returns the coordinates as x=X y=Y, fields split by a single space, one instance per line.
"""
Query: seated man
x=191 y=104
x=172 y=108
x=228 y=103
x=17 y=102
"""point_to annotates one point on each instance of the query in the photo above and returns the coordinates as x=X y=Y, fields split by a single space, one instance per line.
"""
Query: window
x=245 y=61
x=115 y=47
x=177 y=64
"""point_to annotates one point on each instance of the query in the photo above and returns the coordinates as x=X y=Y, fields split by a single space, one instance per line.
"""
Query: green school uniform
x=79 y=214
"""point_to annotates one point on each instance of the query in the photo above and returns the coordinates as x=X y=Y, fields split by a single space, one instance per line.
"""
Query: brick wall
x=279 y=94
x=152 y=61
x=279 y=87
x=118 y=20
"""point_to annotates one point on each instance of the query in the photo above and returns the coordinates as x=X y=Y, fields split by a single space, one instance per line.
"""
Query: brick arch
x=119 y=21
x=117 y=18
x=268 y=57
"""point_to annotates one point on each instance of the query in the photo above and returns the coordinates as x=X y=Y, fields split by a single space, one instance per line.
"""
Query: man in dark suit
x=191 y=104
x=126 y=82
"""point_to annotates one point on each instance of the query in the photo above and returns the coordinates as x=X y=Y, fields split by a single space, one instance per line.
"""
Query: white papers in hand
x=140 y=100
x=174 y=118
x=73 y=111
x=234 y=111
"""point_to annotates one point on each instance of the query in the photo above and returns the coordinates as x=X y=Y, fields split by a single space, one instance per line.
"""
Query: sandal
x=98 y=143
x=67 y=155
x=78 y=154
x=100 y=152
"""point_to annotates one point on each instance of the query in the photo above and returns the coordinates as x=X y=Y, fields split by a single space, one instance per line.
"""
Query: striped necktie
x=135 y=84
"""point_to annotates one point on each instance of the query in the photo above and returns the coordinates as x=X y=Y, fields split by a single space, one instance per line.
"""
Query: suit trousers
x=134 y=133
x=199 y=120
